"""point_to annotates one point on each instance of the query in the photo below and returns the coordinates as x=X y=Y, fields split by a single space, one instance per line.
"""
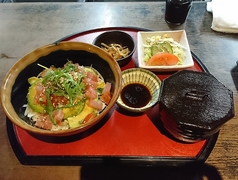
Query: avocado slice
x=31 y=100
x=75 y=121
x=73 y=111
x=68 y=112
x=33 y=80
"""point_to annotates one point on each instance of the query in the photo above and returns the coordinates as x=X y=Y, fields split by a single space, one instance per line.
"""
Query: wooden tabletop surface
x=26 y=26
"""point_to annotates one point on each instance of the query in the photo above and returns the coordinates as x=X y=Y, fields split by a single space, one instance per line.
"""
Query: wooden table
x=26 y=26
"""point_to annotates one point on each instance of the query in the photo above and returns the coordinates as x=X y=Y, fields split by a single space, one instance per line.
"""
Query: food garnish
x=163 y=59
x=117 y=51
x=67 y=97
x=160 y=51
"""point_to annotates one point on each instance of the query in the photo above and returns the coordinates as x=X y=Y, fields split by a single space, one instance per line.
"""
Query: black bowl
x=15 y=84
x=118 y=37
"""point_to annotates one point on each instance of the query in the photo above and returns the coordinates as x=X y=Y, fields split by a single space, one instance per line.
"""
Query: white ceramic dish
x=146 y=78
x=179 y=36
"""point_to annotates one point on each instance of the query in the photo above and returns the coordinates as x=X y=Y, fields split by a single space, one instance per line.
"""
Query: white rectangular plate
x=179 y=36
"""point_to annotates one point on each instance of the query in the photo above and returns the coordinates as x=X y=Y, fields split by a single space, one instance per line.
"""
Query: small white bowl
x=143 y=77
x=178 y=36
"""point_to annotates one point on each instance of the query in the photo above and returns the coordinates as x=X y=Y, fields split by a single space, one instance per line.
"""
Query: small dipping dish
x=140 y=90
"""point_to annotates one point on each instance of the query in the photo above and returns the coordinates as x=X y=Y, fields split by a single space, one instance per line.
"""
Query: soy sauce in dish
x=135 y=95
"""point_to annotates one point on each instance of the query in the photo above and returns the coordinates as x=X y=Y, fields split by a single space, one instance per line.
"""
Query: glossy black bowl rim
x=128 y=57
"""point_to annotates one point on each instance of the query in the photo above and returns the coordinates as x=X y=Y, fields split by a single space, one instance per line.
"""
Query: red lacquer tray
x=120 y=138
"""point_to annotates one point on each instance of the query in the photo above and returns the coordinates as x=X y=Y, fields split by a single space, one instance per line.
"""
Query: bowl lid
x=196 y=100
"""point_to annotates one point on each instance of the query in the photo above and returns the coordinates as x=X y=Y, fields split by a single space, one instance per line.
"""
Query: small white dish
x=178 y=36
x=145 y=78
